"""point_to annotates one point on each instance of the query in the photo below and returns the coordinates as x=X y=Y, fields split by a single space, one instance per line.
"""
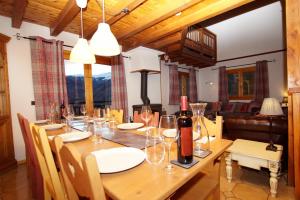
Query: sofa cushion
x=237 y=107
x=253 y=105
x=229 y=107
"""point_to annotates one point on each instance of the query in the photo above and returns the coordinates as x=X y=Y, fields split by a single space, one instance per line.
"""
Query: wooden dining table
x=148 y=181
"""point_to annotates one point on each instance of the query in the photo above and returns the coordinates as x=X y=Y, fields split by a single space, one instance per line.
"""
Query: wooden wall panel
x=293 y=65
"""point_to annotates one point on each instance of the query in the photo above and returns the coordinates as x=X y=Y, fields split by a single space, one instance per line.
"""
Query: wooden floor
x=246 y=184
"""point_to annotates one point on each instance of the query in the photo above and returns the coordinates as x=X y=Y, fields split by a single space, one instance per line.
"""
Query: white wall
x=20 y=77
x=251 y=33
x=133 y=80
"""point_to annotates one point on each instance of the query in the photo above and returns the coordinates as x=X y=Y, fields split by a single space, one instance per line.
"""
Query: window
x=101 y=85
x=75 y=82
x=241 y=83
x=78 y=78
x=184 y=85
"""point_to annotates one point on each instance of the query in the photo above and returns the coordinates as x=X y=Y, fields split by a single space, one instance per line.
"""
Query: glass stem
x=169 y=154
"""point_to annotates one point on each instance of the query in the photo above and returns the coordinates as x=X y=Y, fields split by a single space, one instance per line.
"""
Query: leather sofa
x=257 y=129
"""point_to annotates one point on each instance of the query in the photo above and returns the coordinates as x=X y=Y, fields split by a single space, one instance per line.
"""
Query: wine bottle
x=185 y=139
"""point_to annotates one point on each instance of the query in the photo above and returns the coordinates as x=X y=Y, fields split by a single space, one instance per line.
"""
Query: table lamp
x=271 y=108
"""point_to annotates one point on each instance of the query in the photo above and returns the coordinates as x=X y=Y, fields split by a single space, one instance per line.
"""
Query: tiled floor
x=246 y=185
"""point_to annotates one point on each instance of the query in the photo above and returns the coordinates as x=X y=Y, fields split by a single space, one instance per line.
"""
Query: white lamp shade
x=81 y=3
x=271 y=107
x=103 y=42
x=81 y=53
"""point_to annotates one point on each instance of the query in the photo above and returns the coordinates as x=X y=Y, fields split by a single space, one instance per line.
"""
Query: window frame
x=88 y=79
x=240 y=72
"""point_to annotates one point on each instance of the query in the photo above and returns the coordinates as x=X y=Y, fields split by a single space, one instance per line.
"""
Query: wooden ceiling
x=147 y=22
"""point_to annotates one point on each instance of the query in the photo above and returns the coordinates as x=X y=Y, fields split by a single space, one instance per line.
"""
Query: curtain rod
x=19 y=36
x=241 y=65
x=181 y=67
x=252 y=55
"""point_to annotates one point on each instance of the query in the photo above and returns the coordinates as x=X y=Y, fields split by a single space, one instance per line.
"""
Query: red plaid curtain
x=118 y=85
x=48 y=74
x=193 y=86
x=174 y=98
x=261 y=81
x=223 y=85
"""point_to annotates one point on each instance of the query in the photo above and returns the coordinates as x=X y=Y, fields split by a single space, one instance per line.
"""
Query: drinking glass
x=169 y=133
x=146 y=116
x=68 y=115
x=154 y=150
x=97 y=130
x=83 y=109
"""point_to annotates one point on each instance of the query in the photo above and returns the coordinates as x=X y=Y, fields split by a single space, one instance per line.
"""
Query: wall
x=251 y=33
x=150 y=60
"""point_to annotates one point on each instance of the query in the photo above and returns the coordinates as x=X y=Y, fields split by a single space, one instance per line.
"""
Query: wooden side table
x=254 y=155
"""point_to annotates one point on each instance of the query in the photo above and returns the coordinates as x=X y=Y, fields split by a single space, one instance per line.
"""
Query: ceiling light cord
x=103 y=12
x=81 y=22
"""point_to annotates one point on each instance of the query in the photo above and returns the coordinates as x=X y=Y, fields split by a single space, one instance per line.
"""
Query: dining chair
x=214 y=128
x=33 y=169
x=153 y=122
x=53 y=188
x=82 y=171
x=118 y=115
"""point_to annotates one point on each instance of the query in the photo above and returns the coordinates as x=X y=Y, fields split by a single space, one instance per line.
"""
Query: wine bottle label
x=186 y=139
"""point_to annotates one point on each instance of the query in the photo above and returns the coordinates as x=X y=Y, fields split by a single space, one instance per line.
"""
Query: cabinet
x=7 y=155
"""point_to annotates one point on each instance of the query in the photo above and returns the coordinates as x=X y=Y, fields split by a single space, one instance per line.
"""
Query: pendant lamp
x=103 y=42
x=81 y=52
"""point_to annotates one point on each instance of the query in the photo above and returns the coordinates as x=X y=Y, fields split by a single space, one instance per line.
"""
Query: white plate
x=53 y=126
x=73 y=136
x=78 y=117
x=44 y=121
x=128 y=126
x=172 y=133
x=118 y=159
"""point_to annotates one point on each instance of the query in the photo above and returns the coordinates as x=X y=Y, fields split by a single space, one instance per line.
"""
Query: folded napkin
x=73 y=136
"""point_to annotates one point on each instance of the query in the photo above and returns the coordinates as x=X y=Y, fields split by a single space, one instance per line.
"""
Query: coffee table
x=254 y=155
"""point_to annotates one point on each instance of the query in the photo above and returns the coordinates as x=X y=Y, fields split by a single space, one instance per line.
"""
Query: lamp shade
x=271 y=107
x=103 y=42
x=81 y=53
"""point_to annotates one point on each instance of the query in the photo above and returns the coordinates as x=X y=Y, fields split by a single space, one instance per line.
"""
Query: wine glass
x=83 y=109
x=146 y=115
x=168 y=131
x=68 y=115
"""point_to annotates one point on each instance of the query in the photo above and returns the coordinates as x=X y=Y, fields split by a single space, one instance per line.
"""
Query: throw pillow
x=244 y=107
x=237 y=107
x=228 y=107
x=252 y=105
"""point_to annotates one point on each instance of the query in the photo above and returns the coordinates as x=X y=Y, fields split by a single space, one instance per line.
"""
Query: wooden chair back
x=118 y=115
x=33 y=168
x=213 y=128
x=153 y=122
x=56 y=145
x=80 y=169
x=53 y=189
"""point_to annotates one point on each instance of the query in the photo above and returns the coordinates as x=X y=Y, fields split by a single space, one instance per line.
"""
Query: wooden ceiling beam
x=193 y=15
x=166 y=41
x=119 y=14
x=18 y=12
x=165 y=10
x=65 y=17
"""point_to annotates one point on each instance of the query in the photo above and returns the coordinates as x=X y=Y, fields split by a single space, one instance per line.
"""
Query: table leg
x=228 y=167
x=273 y=167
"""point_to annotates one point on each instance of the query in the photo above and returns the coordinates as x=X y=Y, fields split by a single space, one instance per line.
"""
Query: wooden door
x=7 y=155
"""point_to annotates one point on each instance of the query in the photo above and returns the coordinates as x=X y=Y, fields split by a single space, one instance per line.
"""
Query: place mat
x=186 y=166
